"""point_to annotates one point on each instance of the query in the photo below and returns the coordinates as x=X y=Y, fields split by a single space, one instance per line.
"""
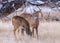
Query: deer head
x=36 y=13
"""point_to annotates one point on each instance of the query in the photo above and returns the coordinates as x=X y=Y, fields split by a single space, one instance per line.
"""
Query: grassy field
x=49 y=32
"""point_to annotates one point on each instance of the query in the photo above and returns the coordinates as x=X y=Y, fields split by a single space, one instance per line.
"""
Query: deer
x=33 y=20
x=18 y=21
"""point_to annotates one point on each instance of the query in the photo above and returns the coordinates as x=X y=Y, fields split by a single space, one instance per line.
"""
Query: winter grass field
x=49 y=32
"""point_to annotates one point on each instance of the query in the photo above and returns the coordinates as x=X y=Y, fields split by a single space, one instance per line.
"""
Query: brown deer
x=18 y=21
x=33 y=20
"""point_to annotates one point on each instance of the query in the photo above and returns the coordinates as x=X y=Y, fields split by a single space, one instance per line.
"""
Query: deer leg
x=22 y=31
x=18 y=30
x=37 y=32
x=14 y=30
x=33 y=32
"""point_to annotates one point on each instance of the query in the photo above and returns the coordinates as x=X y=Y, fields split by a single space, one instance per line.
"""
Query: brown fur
x=33 y=20
x=18 y=21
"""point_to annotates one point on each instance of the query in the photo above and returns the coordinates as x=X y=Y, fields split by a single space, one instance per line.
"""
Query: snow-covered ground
x=49 y=32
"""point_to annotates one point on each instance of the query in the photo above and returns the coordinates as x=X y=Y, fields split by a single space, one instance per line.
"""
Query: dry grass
x=49 y=32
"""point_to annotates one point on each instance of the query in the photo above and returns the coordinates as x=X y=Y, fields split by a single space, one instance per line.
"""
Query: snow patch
x=40 y=2
x=0 y=6
x=46 y=9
